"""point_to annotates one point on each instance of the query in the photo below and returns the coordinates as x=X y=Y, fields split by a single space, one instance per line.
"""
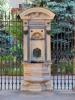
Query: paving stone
x=18 y=95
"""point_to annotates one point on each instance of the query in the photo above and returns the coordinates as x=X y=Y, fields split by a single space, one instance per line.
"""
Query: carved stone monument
x=36 y=49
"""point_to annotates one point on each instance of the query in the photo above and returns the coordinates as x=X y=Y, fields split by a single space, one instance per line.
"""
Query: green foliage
x=58 y=0
x=4 y=6
x=6 y=58
x=65 y=68
x=10 y=65
x=2 y=2
x=11 y=70
x=43 y=3
x=40 y=3
x=15 y=28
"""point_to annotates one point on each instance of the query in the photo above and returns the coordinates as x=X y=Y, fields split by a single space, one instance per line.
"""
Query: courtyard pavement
x=20 y=95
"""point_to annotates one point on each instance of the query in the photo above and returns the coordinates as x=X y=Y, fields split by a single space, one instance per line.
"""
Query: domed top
x=36 y=12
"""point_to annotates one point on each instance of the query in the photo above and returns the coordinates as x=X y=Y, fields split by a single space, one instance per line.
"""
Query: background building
x=16 y=3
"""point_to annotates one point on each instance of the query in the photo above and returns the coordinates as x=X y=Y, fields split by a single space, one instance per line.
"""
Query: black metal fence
x=63 y=53
x=10 y=51
x=62 y=45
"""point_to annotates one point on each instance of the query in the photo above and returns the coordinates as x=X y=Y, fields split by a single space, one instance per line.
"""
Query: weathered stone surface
x=36 y=21
x=36 y=77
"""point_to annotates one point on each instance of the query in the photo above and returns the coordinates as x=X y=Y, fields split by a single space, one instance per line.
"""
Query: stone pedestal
x=36 y=77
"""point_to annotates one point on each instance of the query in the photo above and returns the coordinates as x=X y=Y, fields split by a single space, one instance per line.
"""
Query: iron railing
x=10 y=51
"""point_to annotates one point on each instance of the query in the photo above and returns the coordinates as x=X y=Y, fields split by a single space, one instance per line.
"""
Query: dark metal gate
x=63 y=53
x=10 y=51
